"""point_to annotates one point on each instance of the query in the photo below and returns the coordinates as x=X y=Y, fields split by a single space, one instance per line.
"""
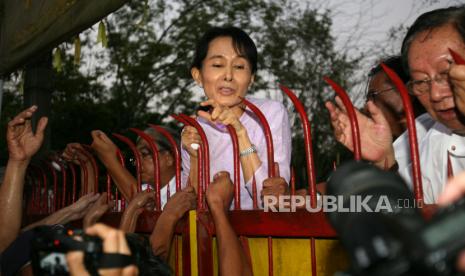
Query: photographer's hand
x=114 y=242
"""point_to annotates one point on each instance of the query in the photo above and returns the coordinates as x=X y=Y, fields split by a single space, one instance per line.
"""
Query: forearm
x=125 y=181
x=232 y=260
x=11 y=195
x=162 y=236
x=59 y=217
x=250 y=163
x=129 y=220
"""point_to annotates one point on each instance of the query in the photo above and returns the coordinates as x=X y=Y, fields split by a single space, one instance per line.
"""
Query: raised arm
x=232 y=260
x=106 y=151
x=23 y=143
x=175 y=208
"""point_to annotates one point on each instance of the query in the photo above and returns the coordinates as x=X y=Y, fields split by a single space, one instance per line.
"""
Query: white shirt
x=434 y=147
x=163 y=191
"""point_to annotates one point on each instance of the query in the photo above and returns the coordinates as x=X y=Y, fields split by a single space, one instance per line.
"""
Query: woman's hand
x=190 y=136
x=22 y=142
x=103 y=146
x=221 y=114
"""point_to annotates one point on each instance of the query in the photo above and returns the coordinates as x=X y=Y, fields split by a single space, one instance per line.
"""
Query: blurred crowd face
x=147 y=164
x=387 y=98
x=225 y=75
x=429 y=61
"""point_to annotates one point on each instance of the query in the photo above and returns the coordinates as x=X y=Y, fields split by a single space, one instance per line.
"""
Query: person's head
x=425 y=52
x=165 y=156
x=383 y=93
x=225 y=64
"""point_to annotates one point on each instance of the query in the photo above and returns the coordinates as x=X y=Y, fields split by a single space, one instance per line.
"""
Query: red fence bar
x=63 y=176
x=313 y=256
x=352 y=116
x=136 y=154
x=123 y=201
x=270 y=256
x=307 y=130
x=254 y=193
x=200 y=179
x=206 y=148
x=268 y=136
x=292 y=181
x=457 y=58
x=175 y=150
x=44 y=196
x=237 y=175
x=73 y=178
x=84 y=176
x=87 y=152
x=156 y=164
x=412 y=131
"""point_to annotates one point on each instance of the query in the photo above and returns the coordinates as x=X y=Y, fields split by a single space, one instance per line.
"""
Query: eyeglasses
x=420 y=87
x=372 y=94
x=144 y=154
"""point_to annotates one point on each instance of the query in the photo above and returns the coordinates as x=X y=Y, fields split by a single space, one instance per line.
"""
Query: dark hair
x=242 y=43
x=146 y=262
x=393 y=62
x=432 y=20
x=162 y=142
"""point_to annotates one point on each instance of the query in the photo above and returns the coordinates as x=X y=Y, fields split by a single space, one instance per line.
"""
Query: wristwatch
x=248 y=151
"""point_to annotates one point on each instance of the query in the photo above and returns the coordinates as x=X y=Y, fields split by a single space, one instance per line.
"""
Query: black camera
x=395 y=239
x=52 y=243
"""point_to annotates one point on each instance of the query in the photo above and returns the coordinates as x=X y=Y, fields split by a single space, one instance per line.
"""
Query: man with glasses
x=425 y=53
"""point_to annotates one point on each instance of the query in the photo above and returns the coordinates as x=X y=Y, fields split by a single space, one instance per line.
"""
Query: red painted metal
x=457 y=58
x=412 y=131
x=313 y=256
x=307 y=130
x=268 y=135
x=206 y=149
x=87 y=152
x=201 y=171
x=270 y=256
x=237 y=175
x=204 y=242
x=450 y=171
x=156 y=163
x=64 y=176
x=108 y=187
x=176 y=256
x=352 y=116
x=175 y=150
x=85 y=176
x=136 y=154
x=73 y=178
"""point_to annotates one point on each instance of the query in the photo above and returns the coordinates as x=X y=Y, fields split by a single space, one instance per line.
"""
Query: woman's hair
x=242 y=43
x=432 y=20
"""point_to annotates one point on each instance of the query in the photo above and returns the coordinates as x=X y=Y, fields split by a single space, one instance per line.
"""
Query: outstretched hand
x=103 y=146
x=221 y=114
x=220 y=192
x=375 y=134
x=22 y=142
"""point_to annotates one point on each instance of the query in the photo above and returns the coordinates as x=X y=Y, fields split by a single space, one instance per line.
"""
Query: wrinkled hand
x=220 y=192
x=96 y=210
x=103 y=146
x=114 y=242
x=181 y=202
x=80 y=208
x=457 y=78
x=73 y=153
x=221 y=114
x=454 y=190
x=142 y=200
x=22 y=142
x=375 y=134
x=189 y=136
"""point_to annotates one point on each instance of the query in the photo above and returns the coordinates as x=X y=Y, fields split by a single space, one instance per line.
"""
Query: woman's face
x=225 y=75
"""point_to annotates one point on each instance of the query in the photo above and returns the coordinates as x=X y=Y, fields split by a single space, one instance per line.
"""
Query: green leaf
x=57 y=64
x=102 y=35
